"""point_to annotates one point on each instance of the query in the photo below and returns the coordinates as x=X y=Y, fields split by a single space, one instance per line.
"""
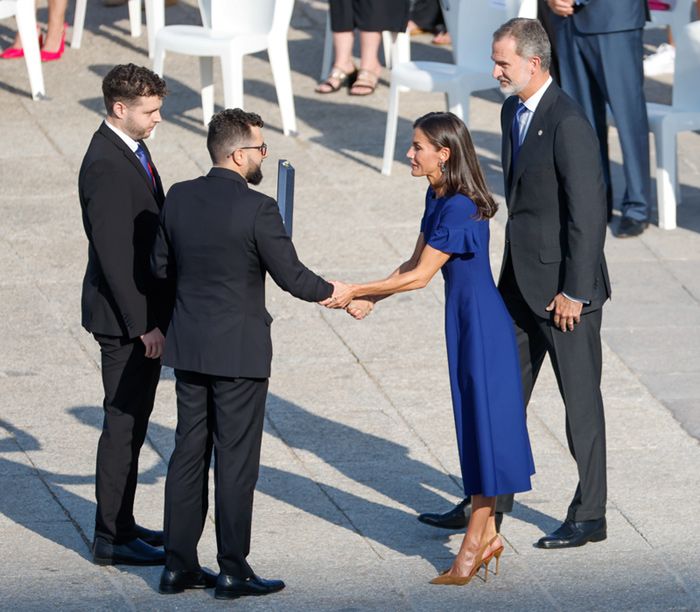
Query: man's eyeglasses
x=262 y=148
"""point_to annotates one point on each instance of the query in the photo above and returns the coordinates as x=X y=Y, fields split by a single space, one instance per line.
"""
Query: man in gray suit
x=600 y=62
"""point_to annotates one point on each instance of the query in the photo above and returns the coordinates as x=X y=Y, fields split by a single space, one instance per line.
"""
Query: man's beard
x=254 y=176
x=512 y=88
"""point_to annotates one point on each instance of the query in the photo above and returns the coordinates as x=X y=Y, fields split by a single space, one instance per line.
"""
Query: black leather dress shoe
x=154 y=538
x=457 y=518
x=575 y=533
x=230 y=587
x=135 y=552
x=628 y=228
x=176 y=581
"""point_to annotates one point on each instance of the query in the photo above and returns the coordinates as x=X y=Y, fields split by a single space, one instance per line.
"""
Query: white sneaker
x=661 y=62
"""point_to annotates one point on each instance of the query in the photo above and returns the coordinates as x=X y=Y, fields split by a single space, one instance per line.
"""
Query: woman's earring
x=443 y=167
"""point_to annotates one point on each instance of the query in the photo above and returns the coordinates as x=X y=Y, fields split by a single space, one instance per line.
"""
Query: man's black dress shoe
x=176 y=581
x=135 y=552
x=457 y=518
x=628 y=227
x=154 y=538
x=230 y=587
x=575 y=533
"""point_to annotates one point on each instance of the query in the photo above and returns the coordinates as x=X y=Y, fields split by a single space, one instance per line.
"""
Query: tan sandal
x=335 y=80
x=366 y=80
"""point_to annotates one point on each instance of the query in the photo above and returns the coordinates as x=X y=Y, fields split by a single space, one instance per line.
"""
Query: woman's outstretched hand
x=342 y=295
x=360 y=308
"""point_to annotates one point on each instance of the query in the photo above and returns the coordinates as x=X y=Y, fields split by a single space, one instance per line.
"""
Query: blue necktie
x=515 y=134
x=143 y=158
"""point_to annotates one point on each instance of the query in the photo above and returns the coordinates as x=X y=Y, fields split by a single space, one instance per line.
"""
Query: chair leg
x=392 y=118
x=281 y=73
x=206 y=74
x=665 y=142
x=401 y=49
x=458 y=103
x=327 y=50
x=155 y=21
x=26 y=27
x=158 y=60
x=78 y=24
x=135 y=17
x=388 y=44
x=232 y=73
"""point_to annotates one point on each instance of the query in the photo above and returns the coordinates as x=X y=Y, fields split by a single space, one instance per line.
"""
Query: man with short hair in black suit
x=554 y=279
x=218 y=240
x=123 y=306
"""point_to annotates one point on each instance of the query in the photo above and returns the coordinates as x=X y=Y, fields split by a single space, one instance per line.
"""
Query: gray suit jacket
x=604 y=16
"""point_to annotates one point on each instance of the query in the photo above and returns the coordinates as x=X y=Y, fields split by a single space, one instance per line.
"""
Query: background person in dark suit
x=123 y=306
x=600 y=62
x=554 y=278
x=218 y=240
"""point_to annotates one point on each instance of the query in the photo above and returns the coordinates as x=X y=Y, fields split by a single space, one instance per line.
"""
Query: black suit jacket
x=556 y=205
x=120 y=214
x=217 y=239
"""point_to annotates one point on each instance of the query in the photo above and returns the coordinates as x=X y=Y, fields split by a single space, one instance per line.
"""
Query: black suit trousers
x=130 y=380
x=577 y=361
x=225 y=414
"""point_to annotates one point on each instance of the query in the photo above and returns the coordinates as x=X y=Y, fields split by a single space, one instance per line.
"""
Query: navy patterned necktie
x=143 y=158
x=515 y=134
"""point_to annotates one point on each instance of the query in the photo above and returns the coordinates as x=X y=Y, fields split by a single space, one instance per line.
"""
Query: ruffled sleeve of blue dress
x=451 y=225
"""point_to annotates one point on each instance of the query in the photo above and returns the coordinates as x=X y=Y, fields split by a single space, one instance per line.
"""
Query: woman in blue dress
x=489 y=412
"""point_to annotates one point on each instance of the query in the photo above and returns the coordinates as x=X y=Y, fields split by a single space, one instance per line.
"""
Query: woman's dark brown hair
x=462 y=172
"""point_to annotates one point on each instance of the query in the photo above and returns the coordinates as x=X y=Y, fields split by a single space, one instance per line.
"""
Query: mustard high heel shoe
x=446 y=579
x=496 y=553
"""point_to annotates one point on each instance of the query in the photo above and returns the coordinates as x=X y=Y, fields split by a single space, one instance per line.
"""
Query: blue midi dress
x=487 y=397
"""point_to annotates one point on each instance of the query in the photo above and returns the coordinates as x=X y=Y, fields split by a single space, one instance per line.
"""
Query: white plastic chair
x=524 y=8
x=24 y=12
x=230 y=31
x=79 y=20
x=471 y=26
x=676 y=17
x=397 y=48
x=683 y=115
x=155 y=20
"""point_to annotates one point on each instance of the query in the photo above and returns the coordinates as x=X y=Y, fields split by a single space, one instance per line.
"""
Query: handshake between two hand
x=344 y=296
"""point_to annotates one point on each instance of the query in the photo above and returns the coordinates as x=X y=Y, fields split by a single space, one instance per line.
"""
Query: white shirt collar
x=128 y=140
x=532 y=102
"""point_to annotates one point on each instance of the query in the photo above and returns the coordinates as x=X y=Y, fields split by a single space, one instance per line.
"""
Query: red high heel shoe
x=50 y=56
x=17 y=52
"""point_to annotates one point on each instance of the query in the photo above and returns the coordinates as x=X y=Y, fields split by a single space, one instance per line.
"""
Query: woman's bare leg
x=369 y=51
x=57 y=17
x=342 y=50
x=481 y=529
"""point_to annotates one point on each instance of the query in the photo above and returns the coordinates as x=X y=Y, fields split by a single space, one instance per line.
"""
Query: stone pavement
x=359 y=434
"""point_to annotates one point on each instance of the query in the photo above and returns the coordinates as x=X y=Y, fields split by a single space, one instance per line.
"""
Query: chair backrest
x=526 y=8
x=471 y=26
x=8 y=8
x=246 y=16
x=686 y=86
